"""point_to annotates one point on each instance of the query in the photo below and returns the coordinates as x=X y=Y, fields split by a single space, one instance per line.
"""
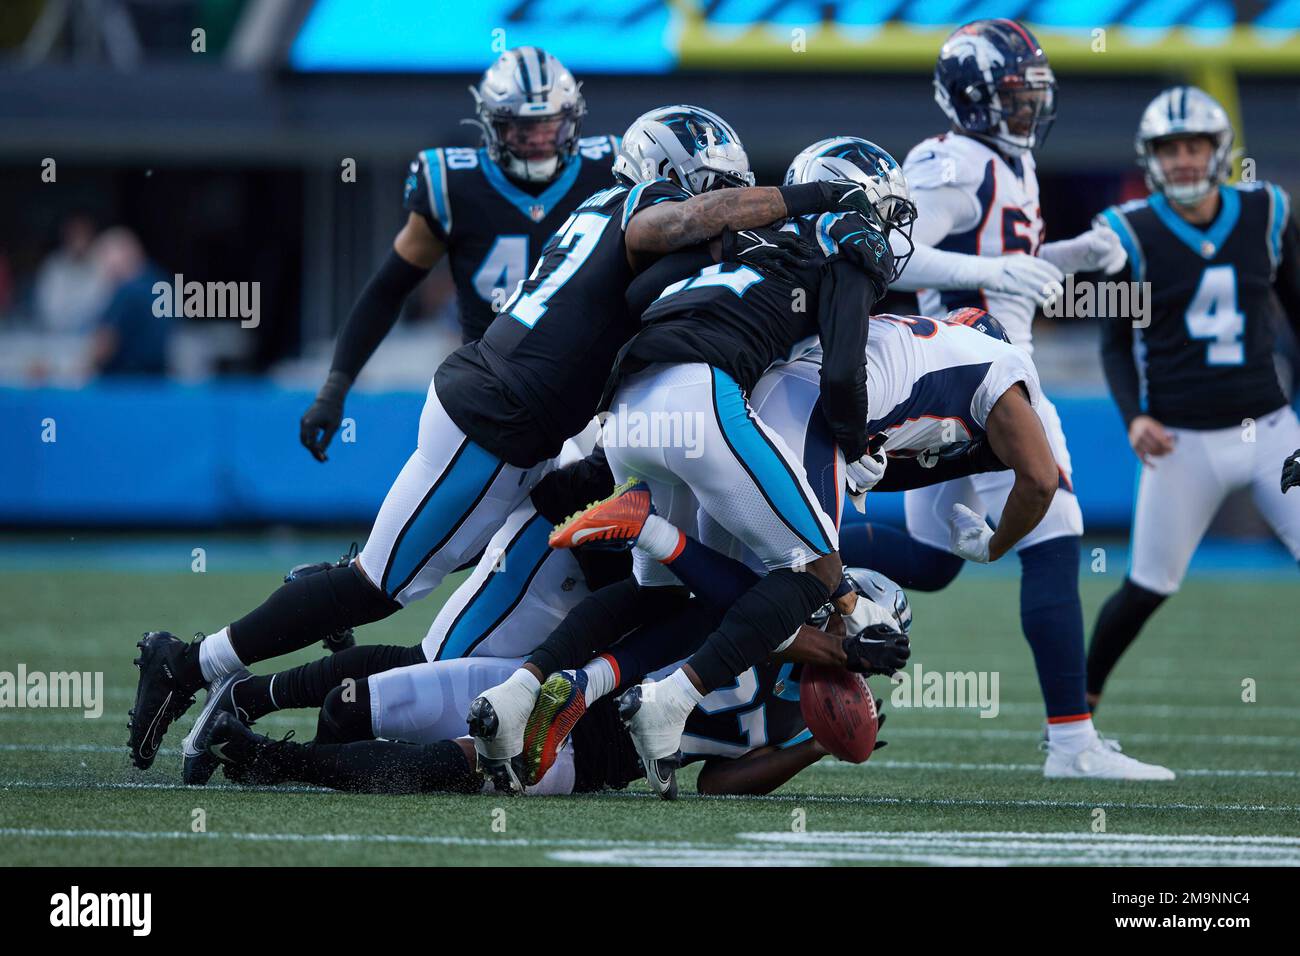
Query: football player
x=499 y=409
x=751 y=736
x=1223 y=263
x=488 y=210
x=705 y=342
x=977 y=197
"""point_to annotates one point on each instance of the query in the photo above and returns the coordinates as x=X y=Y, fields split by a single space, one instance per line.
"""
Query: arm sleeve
x=648 y=286
x=845 y=300
x=939 y=212
x=1286 y=282
x=1118 y=362
x=904 y=474
x=375 y=313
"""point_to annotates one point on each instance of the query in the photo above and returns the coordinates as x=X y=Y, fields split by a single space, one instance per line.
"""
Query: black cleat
x=197 y=765
x=506 y=773
x=339 y=640
x=247 y=757
x=159 y=696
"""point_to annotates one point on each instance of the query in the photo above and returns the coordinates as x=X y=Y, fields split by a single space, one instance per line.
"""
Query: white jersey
x=1005 y=218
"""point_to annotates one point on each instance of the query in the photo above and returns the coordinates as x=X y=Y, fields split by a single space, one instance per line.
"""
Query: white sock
x=601 y=679
x=659 y=538
x=1071 y=736
x=523 y=679
x=681 y=691
x=217 y=657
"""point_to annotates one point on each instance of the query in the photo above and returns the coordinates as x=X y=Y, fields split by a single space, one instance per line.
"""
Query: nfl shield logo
x=537 y=212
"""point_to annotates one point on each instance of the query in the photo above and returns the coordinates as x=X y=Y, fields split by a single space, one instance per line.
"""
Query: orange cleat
x=611 y=524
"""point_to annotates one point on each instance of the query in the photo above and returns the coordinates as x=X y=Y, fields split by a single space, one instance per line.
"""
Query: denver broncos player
x=488 y=210
x=1223 y=263
x=976 y=192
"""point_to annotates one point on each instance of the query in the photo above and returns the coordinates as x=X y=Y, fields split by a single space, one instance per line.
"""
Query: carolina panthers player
x=500 y=409
x=977 y=196
x=488 y=210
x=705 y=342
x=1223 y=263
x=751 y=736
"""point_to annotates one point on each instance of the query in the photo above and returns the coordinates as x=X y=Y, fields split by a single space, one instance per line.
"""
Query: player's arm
x=759 y=771
x=813 y=646
x=906 y=474
x=1017 y=437
x=665 y=227
x=1286 y=283
x=944 y=210
x=415 y=251
x=1147 y=436
x=852 y=283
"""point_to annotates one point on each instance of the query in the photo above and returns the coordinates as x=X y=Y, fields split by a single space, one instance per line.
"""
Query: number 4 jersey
x=494 y=227
x=536 y=376
x=1212 y=312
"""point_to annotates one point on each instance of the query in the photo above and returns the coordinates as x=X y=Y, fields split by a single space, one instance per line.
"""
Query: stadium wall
x=92 y=457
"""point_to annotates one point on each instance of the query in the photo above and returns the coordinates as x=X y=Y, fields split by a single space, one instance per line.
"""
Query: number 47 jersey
x=1209 y=332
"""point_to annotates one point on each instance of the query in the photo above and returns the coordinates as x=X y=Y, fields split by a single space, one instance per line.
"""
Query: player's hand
x=844 y=195
x=773 y=252
x=322 y=419
x=971 y=535
x=1027 y=276
x=880 y=649
x=862 y=475
x=1149 y=438
x=1291 y=471
x=880 y=722
x=1097 y=250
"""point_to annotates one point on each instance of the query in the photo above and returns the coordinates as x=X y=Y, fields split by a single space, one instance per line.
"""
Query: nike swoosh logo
x=149 y=731
x=218 y=750
x=588 y=532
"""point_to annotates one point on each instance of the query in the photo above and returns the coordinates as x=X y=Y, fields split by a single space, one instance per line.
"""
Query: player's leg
x=1177 y=497
x=750 y=481
x=1276 y=437
x=444 y=506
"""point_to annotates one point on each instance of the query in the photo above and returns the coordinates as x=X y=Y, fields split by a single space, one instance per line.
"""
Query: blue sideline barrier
x=162 y=454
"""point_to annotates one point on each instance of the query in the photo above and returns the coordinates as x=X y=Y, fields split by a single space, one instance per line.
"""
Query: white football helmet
x=525 y=89
x=698 y=147
x=1184 y=111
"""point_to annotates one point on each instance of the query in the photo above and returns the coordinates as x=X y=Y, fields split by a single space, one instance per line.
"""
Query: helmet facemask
x=1023 y=109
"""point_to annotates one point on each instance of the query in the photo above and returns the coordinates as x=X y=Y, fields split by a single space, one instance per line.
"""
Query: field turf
x=951 y=787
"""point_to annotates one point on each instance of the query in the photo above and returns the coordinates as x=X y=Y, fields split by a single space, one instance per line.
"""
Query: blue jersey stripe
x=1281 y=212
x=435 y=172
x=1119 y=223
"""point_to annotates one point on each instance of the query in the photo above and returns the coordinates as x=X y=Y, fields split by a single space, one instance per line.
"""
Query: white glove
x=861 y=476
x=1097 y=250
x=1029 y=276
x=970 y=535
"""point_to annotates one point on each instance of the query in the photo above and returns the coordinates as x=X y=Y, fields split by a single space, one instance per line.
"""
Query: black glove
x=827 y=195
x=1291 y=471
x=877 y=650
x=325 y=415
x=772 y=252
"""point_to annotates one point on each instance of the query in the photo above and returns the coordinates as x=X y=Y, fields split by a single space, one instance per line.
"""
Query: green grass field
x=950 y=788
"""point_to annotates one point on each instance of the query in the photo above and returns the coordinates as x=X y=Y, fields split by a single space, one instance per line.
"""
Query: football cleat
x=611 y=524
x=497 y=719
x=197 y=765
x=560 y=704
x=246 y=756
x=339 y=640
x=159 y=696
x=1100 y=760
x=656 y=735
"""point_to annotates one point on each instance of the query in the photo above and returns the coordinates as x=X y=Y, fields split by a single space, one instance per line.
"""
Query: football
x=840 y=711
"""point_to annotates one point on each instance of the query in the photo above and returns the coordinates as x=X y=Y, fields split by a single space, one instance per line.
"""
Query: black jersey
x=760 y=709
x=743 y=322
x=1213 y=308
x=494 y=227
x=535 y=378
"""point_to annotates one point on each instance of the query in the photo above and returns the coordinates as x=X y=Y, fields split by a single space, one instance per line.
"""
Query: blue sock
x=713 y=576
x=899 y=557
x=1052 y=618
x=670 y=639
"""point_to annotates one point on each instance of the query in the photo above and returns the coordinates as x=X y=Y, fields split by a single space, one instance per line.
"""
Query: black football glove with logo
x=1291 y=471
x=772 y=252
x=879 y=649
